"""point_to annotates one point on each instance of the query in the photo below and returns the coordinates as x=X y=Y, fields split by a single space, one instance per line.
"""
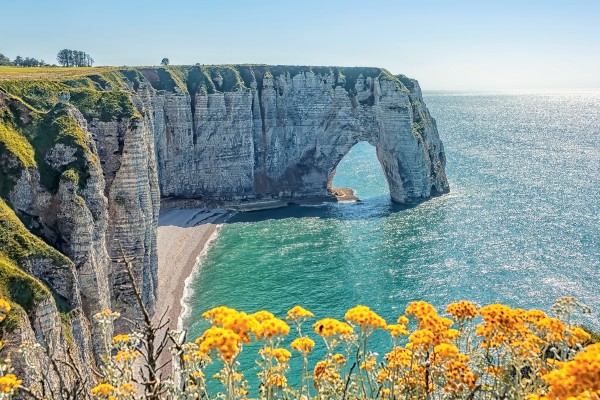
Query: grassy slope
x=17 y=247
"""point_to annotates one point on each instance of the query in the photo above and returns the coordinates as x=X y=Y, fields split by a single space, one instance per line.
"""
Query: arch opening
x=358 y=175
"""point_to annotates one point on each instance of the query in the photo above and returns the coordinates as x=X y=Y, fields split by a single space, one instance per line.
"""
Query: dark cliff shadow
x=187 y=218
x=371 y=208
x=375 y=207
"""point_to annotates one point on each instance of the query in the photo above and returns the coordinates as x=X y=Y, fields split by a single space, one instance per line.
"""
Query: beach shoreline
x=184 y=237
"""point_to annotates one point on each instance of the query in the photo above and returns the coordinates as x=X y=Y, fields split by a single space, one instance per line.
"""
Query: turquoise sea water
x=520 y=226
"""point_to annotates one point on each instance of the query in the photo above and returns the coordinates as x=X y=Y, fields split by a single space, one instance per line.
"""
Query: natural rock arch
x=281 y=137
x=343 y=191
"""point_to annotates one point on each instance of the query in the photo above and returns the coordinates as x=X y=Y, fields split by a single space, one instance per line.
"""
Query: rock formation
x=282 y=136
x=85 y=161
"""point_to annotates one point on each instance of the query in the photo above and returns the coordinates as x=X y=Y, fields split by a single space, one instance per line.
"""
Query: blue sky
x=452 y=45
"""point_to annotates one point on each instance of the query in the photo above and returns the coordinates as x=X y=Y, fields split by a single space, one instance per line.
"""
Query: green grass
x=86 y=95
x=30 y=142
x=15 y=143
x=20 y=287
x=55 y=127
x=50 y=73
x=71 y=175
x=105 y=106
x=18 y=245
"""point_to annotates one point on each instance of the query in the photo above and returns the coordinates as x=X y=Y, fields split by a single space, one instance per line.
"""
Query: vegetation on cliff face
x=88 y=94
x=18 y=248
x=28 y=136
x=12 y=141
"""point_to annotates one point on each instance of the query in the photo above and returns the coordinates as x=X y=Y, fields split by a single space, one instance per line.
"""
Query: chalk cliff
x=86 y=159
x=281 y=132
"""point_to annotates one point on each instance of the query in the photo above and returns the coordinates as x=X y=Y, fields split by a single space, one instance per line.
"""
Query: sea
x=520 y=226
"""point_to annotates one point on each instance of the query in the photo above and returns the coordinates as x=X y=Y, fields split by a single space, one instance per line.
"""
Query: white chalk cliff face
x=282 y=136
x=217 y=135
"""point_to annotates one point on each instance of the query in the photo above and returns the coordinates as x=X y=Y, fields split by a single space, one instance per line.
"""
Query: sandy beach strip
x=183 y=235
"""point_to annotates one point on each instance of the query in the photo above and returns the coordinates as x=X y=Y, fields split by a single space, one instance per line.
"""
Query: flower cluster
x=279 y=354
x=225 y=341
x=297 y=312
x=8 y=384
x=575 y=379
x=463 y=310
x=364 y=318
x=271 y=328
x=476 y=353
x=433 y=329
x=303 y=345
x=327 y=327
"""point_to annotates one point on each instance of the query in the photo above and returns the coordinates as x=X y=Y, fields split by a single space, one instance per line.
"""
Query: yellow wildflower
x=576 y=335
x=127 y=389
x=579 y=378
x=126 y=355
x=271 y=328
x=103 y=389
x=277 y=380
x=329 y=327
x=396 y=330
x=365 y=318
x=420 y=309
x=553 y=329
x=225 y=341
x=463 y=310
x=262 y=315
x=121 y=339
x=281 y=355
x=445 y=350
x=297 y=312
x=4 y=309
x=303 y=345
x=240 y=323
x=9 y=383
x=339 y=359
x=421 y=337
x=398 y=357
x=369 y=363
x=382 y=376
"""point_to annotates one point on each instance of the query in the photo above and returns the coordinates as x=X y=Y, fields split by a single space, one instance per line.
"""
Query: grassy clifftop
x=41 y=86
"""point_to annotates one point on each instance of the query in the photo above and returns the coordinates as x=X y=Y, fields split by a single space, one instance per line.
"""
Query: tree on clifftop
x=165 y=61
x=74 y=58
